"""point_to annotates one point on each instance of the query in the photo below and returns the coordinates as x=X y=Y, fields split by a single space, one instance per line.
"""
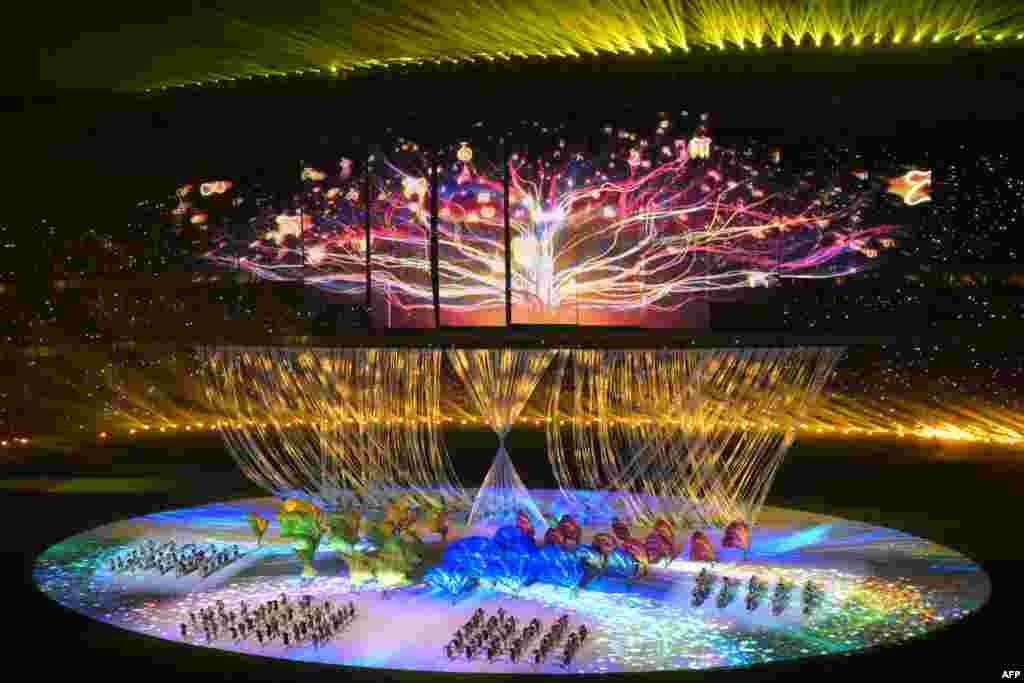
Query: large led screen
x=616 y=226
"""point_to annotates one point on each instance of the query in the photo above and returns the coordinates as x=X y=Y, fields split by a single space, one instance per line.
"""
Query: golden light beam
x=214 y=45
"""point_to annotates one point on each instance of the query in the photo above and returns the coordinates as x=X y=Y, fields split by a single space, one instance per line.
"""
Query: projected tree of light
x=633 y=228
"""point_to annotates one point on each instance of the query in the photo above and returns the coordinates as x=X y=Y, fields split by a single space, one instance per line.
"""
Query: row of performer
x=497 y=636
x=297 y=622
x=758 y=591
x=168 y=557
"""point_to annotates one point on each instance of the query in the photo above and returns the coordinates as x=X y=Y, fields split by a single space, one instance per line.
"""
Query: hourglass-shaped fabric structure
x=499 y=383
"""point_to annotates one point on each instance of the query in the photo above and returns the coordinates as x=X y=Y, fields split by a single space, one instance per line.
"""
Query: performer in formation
x=497 y=637
x=167 y=557
x=275 y=620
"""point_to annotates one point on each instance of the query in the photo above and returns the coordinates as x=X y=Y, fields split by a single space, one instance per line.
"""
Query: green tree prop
x=440 y=523
x=259 y=526
x=343 y=536
x=397 y=551
x=305 y=531
x=343 y=532
x=361 y=569
x=396 y=556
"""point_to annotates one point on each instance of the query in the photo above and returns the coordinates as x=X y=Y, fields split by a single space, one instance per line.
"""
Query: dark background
x=74 y=143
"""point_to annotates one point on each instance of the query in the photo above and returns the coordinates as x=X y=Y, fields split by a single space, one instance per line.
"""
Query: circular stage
x=881 y=586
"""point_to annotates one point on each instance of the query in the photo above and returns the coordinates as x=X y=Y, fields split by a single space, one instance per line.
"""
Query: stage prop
x=701 y=431
x=499 y=383
x=813 y=585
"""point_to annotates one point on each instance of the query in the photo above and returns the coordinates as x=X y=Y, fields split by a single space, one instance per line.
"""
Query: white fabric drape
x=499 y=383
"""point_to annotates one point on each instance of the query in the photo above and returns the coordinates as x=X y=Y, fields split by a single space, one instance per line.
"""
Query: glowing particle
x=700 y=147
x=913 y=187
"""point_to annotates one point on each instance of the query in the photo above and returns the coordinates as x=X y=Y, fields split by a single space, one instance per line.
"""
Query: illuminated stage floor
x=881 y=586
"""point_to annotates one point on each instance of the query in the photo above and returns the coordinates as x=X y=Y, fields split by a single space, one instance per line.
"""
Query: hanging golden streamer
x=371 y=428
x=696 y=436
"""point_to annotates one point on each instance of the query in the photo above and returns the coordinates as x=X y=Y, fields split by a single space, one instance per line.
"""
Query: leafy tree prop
x=605 y=545
x=701 y=549
x=737 y=535
x=302 y=523
x=553 y=536
x=620 y=529
x=361 y=569
x=524 y=524
x=440 y=522
x=343 y=532
x=396 y=552
x=434 y=502
x=398 y=516
x=259 y=526
x=638 y=552
x=570 y=530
